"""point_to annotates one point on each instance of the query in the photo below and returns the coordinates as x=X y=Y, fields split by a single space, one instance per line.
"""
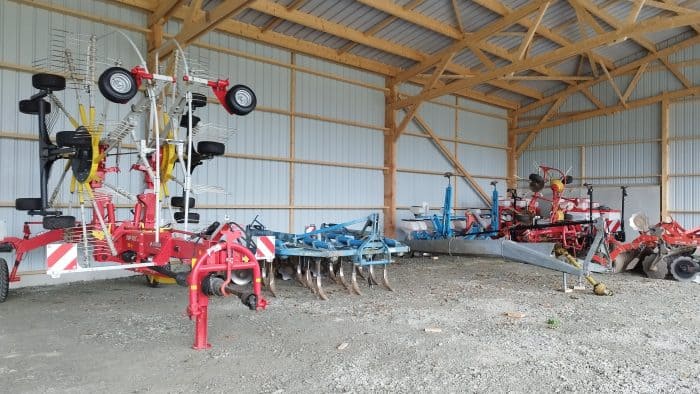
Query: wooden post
x=292 y=139
x=390 y=139
x=512 y=169
x=665 y=159
x=155 y=40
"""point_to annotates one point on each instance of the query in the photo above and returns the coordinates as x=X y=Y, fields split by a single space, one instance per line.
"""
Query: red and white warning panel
x=265 y=248
x=61 y=258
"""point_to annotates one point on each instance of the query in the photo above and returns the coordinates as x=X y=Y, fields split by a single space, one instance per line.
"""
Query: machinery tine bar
x=271 y=279
x=372 y=281
x=341 y=277
x=360 y=271
x=307 y=276
x=385 y=278
x=319 y=285
x=355 y=287
x=331 y=271
x=298 y=275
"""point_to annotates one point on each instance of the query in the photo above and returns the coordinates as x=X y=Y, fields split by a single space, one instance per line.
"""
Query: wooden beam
x=193 y=29
x=454 y=161
x=458 y=15
x=614 y=86
x=634 y=12
x=164 y=10
x=546 y=78
x=676 y=72
x=498 y=8
x=413 y=110
x=390 y=162
x=391 y=8
x=512 y=171
x=274 y=22
x=647 y=26
x=619 y=71
x=379 y=26
x=665 y=157
x=523 y=145
x=595 y=100
x=611 y=110
x=525 y=44
x=347 y=33
x=471 y=39
x=634 y=81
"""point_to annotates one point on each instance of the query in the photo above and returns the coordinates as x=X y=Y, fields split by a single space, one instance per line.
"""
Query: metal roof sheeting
x=560 y=18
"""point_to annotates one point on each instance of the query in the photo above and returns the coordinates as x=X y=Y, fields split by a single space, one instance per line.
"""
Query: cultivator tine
x=385 y=278
x=271 y=279
x=341 y=277
x=355 y=287
x=299 y=278
x=372 y=281
x=331 y=272
x=268 y=277
x=360 y=271
x=307 y=276
x=319 y=286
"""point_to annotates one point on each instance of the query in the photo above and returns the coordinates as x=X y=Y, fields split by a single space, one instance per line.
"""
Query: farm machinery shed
x=314 y=113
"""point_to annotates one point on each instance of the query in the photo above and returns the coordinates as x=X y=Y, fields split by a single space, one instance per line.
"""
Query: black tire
x=241 y=100
x=179 y=202
x=31 y=107
x=117 y=85
x=183 y=121
x=28 y=204
x=4 y=280
x=48 y=82
x=58 y=222
x=567 y=180
x=211 y=148
x=523 y=218
x=198 y=100
x=78 y=138
x=192 y=217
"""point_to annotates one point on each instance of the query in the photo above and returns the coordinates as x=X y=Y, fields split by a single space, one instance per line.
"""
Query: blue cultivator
x=324 y=251
x=477 y=225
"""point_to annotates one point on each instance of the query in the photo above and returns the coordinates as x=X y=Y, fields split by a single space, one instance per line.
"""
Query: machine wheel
x=179 y=202
x=211 y=148
x=523 y=218
x=183 y=121
x=241 y=100
x=31 y=107
x=48 y=82
x=192 y=217
x=28 y=204
x=199 y=100
x=117 y=85
x=58 y=222
x=536 y=182
x=684 y=269
x=70 y=138
x=661 y=270
x=4 y=280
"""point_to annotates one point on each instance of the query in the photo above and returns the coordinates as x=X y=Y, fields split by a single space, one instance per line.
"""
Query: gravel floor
x=121 y=336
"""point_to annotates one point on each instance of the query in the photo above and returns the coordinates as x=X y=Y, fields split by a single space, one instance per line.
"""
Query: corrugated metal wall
x=475 y=133
x=312 y=152
x=625 y=148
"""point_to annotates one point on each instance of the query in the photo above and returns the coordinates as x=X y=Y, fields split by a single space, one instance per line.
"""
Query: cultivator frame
x=327 y=249
x=140 y=244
